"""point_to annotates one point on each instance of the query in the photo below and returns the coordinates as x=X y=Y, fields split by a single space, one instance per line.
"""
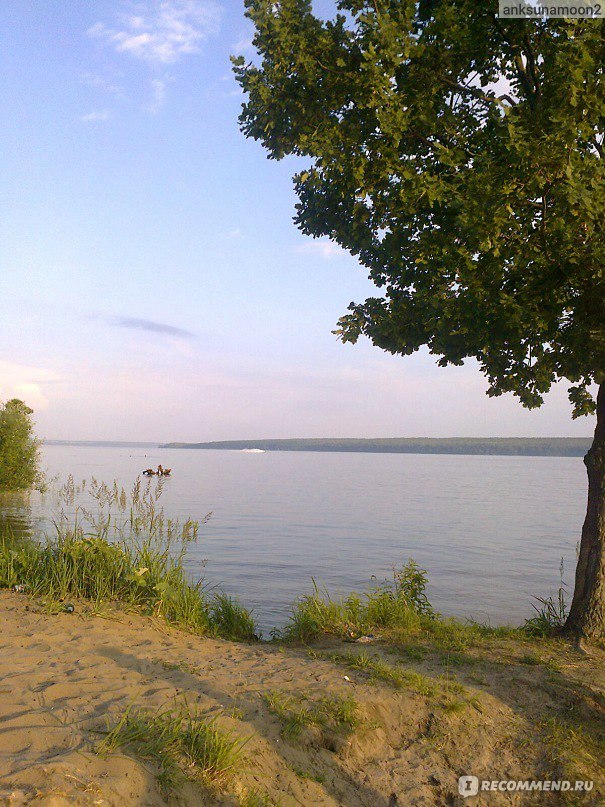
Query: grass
x=400 y=603
x=256 y=798
x=575 y=752
x=123 y=550
x=397 y=611
x=180 y=742
x=231 y=620
x=379 y=670
x=551 y=615
x=305 y=774
x=335 y=713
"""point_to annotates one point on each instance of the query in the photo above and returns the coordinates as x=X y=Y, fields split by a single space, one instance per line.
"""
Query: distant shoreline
x=100 y=443
x=499 y=446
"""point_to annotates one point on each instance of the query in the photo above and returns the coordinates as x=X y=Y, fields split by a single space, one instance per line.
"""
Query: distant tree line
x=514 y=446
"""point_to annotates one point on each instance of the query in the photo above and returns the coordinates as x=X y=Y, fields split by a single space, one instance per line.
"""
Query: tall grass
x=550 y=615
x=120 y=548
x=400 y=603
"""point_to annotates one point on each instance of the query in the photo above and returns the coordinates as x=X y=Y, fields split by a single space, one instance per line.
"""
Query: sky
x=153 y=285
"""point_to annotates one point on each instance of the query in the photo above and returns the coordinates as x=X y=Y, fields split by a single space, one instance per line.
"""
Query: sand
x=64 y=677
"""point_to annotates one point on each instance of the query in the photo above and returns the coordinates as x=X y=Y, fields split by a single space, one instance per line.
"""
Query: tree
x=18 y=446
x=460 y=158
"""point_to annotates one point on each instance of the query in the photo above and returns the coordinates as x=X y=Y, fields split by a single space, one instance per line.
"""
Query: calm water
x=490 y=530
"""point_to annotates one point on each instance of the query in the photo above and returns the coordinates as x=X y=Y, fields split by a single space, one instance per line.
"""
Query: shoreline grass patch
x=398 y=604
x=397 y=610
x=121 y=550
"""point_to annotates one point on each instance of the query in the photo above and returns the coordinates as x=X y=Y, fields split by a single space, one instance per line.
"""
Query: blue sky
x=152 y=283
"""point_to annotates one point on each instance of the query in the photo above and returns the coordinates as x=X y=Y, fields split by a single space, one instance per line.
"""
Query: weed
x=232 y=620
x=256 y=798
x=315 y=777
x=121 y=549
x=400 y=604
x=576 y=752
x=180 y=741
x=379 y=670
x=295 y=712
x=550 y=615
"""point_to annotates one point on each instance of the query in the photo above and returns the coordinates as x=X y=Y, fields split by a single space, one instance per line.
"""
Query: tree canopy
x=460 y=158
x=18 y=446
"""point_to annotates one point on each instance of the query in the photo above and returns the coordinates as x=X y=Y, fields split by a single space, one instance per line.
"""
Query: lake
x=489 y=530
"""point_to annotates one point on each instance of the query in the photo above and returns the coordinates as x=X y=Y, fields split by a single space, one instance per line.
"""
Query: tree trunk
x=587 y=614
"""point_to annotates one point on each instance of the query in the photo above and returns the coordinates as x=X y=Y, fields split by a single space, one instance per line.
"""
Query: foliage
x=179 y=741
x=122 y=549
x=459 y=157
x=18 y=446
x=410 y=585
x=401 y=605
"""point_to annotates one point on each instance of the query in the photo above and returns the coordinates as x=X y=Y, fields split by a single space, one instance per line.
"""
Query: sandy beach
x=66 y=677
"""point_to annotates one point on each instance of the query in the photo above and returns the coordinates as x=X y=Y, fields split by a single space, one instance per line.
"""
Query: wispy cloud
x=243 y=45
x=161 y=31
x=104 y=84
x=96 y=115
x=322 y=247
x=150 y=326
x=158 y=94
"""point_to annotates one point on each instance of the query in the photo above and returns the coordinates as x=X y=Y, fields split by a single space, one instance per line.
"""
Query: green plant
x=379 y=670
x=256 y=798
x=410 y=586
x=180 y=741
x=551 y=614
x=334 y=713
x=232 y=620
x=120 y=549
x=400 y=604
x=18 y=447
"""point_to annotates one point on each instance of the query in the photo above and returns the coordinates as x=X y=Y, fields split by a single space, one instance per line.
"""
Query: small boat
x=253 y=451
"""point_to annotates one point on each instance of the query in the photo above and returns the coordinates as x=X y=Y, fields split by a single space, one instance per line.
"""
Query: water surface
x=490 y=530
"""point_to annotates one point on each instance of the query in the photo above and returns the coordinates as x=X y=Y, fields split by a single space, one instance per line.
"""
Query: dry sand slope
x=62 y=677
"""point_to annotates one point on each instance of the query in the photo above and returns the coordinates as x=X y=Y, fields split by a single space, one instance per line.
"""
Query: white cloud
x=243 y=45
x=323 y=247
x=96 y=115
x=164 y=31
x=105 y=85
x=158 y=94
x=25 y=382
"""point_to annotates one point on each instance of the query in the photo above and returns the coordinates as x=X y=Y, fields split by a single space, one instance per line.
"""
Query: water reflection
x=16 y=516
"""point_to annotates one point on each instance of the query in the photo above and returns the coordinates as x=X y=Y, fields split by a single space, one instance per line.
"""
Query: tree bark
x=587 y=614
